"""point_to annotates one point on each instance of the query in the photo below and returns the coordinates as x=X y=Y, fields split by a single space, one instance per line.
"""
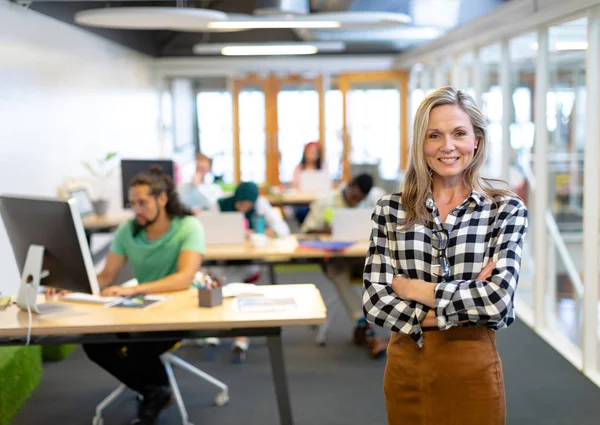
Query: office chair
x=169 y=359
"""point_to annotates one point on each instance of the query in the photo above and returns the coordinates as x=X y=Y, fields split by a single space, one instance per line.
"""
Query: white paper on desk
x=242 y=290
x=263 y=304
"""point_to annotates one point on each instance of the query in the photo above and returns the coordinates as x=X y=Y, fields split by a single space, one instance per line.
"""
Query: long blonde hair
x=418 y=182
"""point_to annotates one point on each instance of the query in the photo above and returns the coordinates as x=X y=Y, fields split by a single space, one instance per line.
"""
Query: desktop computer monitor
x=49 y=244
x=131 y=167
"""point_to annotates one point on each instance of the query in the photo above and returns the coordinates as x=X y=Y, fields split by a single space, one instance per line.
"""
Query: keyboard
x=87 y=298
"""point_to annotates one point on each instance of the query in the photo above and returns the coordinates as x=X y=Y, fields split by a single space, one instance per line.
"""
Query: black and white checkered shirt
x=480 y=231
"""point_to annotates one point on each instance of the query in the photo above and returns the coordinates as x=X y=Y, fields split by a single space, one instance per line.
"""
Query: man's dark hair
x=364 y=182
x=160 y=182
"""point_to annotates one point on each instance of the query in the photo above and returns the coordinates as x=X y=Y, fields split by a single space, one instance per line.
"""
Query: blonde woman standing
x=441 y=272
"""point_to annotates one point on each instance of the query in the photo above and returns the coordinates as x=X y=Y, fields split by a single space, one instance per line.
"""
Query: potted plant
x=101 y=171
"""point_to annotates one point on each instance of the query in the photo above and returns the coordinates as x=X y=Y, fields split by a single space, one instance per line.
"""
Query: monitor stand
x=30 y=284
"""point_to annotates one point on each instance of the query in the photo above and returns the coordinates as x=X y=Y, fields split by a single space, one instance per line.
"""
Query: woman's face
x=450 y=142
x=311 y=154
x=244 y=206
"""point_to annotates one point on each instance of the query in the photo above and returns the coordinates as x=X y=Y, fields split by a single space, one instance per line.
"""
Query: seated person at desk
x=359 y=193
x=311 y=160
x=246 y=200
x=164 y=244
x=200 y=194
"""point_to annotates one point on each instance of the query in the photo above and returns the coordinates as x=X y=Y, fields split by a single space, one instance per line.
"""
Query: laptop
x=351 y=224
x=223 y=228
x=315 y=181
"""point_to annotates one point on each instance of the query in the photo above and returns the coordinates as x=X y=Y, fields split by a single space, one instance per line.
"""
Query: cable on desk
x=28 y=340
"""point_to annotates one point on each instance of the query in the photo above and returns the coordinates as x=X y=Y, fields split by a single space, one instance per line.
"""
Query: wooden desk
x=279 y=250
x=292 y=198
x=177 y=317
x=108 y=221
x=179 y=312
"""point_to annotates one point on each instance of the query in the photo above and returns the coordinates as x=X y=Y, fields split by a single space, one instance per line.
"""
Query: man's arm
x=112 y=268
x=188 y=264
x=315 y=220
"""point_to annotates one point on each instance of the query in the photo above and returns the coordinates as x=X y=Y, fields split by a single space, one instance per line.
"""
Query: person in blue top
x=164 y=245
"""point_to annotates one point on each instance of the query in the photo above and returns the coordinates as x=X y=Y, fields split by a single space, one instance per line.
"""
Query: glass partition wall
x=542 y=70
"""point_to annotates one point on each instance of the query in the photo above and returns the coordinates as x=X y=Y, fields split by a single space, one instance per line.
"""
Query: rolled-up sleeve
x=488 y=302
x=381 y=305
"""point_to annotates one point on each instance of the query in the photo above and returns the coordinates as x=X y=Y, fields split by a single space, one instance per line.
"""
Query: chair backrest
x=226 y=228
x=351 y=224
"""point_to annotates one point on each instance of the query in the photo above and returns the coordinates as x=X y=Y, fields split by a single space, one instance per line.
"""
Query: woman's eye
x=433 y=136
x=461 y=134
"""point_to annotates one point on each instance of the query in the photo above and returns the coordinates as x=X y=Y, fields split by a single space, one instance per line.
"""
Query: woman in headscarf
x=246 y=200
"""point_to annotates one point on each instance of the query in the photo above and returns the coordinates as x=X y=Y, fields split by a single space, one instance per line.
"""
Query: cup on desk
x=210 y=297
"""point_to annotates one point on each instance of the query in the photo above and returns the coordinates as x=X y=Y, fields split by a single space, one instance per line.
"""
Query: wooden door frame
x=271 y=85
x=344 y=82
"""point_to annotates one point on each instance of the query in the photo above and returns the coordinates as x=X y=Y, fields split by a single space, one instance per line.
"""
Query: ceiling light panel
x=150 y=18
x=254 y=49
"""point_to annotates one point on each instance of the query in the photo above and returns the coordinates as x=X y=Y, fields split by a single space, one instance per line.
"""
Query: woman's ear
x=476 y=143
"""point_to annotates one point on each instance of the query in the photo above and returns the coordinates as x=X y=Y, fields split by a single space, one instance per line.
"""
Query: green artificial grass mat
x=20 y=374
x=53 y=353
x=297 y=268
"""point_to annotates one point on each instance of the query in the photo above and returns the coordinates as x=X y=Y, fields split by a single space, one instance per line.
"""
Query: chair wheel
x=221 y=399
x=97 y=421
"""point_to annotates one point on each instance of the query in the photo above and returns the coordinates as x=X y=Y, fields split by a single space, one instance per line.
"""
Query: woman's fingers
x=486 y=272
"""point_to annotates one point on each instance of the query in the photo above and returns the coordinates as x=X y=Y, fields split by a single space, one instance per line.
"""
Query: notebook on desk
x=325 y=245
x=264 y=304
x=137 y=301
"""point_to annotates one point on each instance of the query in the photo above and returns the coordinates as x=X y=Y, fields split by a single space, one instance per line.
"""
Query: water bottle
x=259 y=224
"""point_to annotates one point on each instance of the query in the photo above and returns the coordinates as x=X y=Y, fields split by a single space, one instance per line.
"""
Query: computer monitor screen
x=83 y=200
x=223 y=228
x=131 y=167
x=56 y=225
x=351 y=224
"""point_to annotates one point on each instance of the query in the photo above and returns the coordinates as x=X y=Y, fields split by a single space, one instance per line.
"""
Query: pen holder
x=210 y=297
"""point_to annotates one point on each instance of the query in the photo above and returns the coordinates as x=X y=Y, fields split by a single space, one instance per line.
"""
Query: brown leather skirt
x=455 y=378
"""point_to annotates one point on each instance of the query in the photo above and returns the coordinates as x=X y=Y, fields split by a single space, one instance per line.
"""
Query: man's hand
x=118 y=291
x=53 y=292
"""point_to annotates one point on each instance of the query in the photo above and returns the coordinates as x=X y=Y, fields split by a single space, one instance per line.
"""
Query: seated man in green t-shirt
x=164 y=245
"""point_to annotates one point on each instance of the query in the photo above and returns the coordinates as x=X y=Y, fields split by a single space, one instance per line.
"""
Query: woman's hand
x=118 y=291
x=486 y=272
x=400 y=286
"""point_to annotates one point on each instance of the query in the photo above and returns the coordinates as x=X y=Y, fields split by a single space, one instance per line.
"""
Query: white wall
x=66 y=96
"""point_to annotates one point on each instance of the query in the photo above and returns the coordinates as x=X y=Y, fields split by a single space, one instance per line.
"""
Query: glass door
x=375 y=123
x=250 y=129
x=299 y=121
